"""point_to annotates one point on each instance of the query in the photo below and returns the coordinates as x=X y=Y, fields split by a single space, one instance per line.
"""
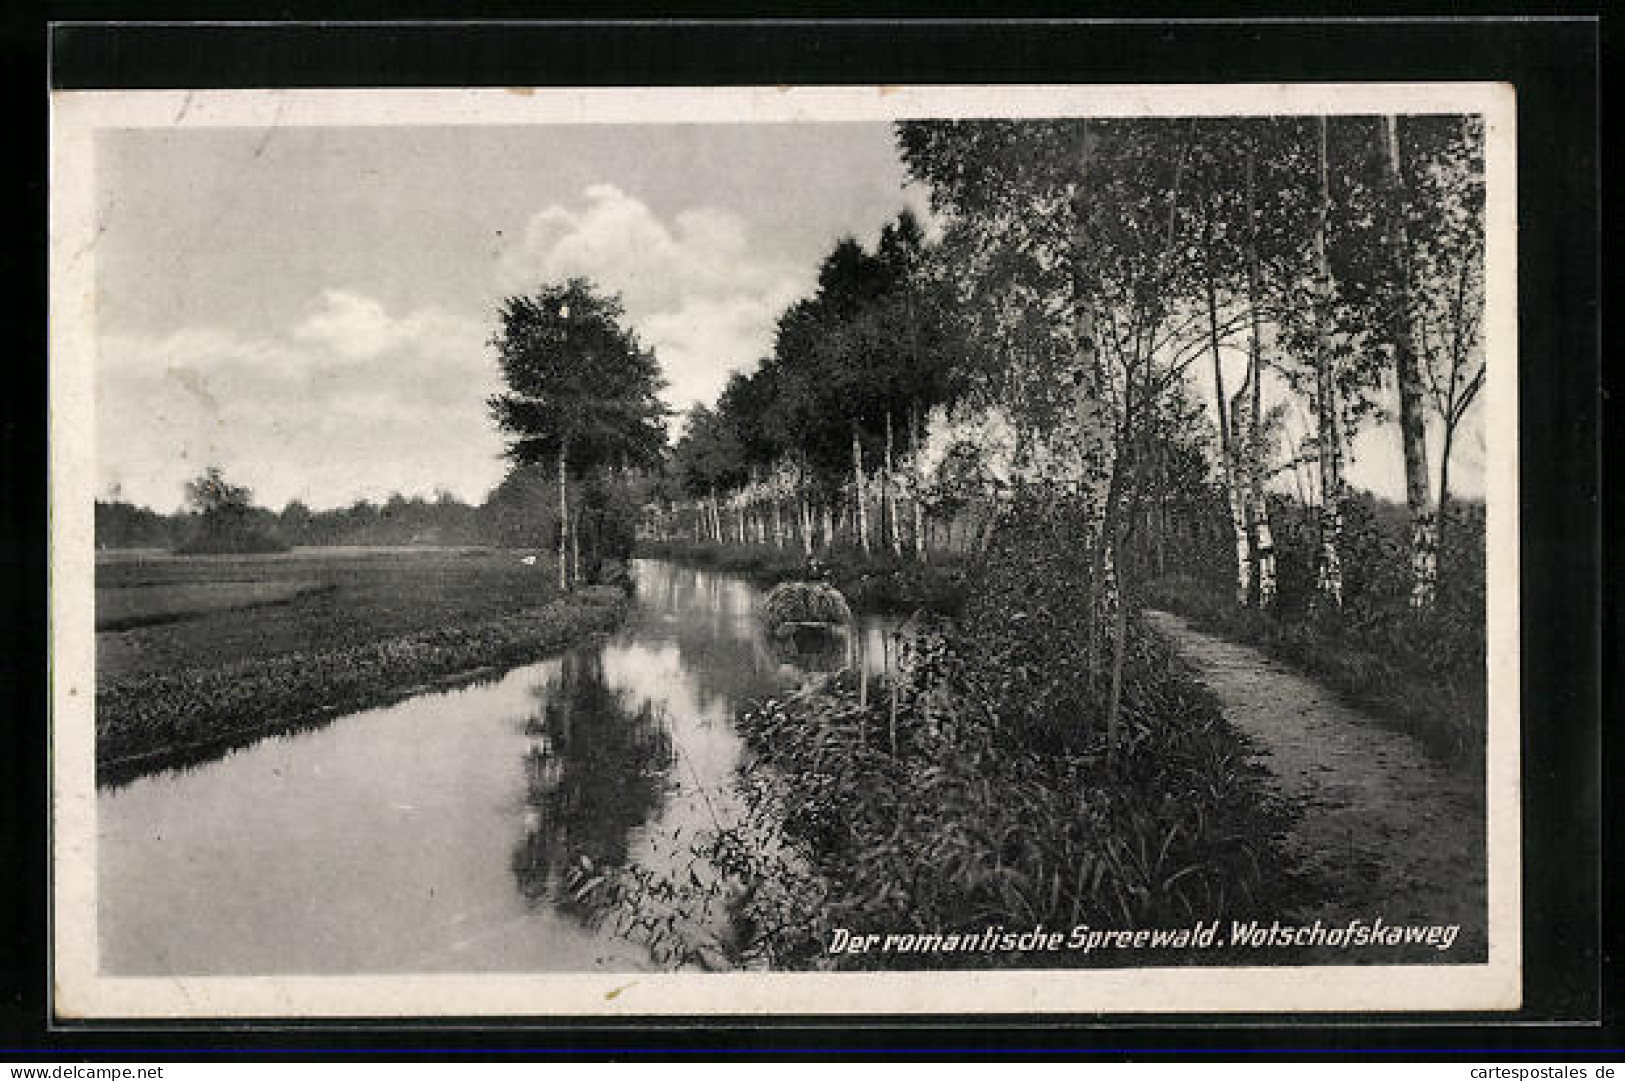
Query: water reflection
x=595 y=768
x=437 y=834
x=814 y=649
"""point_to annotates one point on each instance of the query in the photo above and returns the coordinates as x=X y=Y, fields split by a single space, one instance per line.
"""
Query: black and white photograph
x=807 y=550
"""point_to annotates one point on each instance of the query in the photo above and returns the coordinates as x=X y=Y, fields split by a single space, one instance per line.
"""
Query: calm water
x=437 y=834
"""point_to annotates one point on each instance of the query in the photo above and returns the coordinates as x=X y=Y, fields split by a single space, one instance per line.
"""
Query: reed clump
x=790 y=604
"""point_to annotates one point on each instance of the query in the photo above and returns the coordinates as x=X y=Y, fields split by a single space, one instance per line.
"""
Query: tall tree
x=1073 y=249
x=1250 y=404
x=1448 y=267
x=582 y=391
x=709 y=460
x=1328 y=418
x=872 y=346
x=1407 y=370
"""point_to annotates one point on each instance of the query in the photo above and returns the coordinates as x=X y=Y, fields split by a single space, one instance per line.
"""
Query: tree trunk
x=1119 y=649
x=1098 y=449
x=916 y=444
x=829 y=526
x=1444 y=480
x=1227 y=450
x=1329 y=560
x=575 y=549
x=1253 y=453
x=989 y=525
x=862 y=517
x=1412 y=409
x=564 y=522
x=889 y=498
x=1444 y=470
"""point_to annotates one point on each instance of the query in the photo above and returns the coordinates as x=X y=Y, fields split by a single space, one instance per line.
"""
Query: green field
x=216 y=606
x=216 y=649
x=121 y=608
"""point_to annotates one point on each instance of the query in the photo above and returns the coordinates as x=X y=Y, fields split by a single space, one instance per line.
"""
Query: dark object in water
x=811 y=647
x=804 y=605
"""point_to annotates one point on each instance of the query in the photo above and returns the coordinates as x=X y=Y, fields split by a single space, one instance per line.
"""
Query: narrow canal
x=437 y=834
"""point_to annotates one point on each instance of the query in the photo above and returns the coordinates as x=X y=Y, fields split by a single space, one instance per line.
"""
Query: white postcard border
x=79 y=991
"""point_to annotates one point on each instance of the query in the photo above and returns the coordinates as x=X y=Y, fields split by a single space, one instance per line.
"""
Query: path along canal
x=437 y=834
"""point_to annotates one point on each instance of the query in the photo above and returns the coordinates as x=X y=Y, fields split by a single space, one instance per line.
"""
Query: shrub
x=973 y=789
x=805 y=602
x=226 y=535
x=607 y=524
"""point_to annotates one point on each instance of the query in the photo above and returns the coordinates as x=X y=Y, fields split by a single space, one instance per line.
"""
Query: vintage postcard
x=908 y=550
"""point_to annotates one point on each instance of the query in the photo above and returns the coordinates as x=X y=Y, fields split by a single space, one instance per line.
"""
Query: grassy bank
x=953 y=832
x=871 y=583
x=361 y=630
x=1422 y=674
x=975 y=790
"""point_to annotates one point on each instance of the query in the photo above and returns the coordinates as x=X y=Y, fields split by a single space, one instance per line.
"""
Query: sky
x=311 y=308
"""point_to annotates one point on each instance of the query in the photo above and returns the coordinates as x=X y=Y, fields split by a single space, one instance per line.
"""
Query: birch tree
x=1448 y=265
x=1424 y=539
x=581 y=391
x=1328 y=419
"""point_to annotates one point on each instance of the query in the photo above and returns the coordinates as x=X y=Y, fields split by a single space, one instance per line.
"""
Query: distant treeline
x=519 y=512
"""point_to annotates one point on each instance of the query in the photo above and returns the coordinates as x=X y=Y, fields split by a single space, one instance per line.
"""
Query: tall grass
x=1426 y=672
x=974 y=789
x=805 y=602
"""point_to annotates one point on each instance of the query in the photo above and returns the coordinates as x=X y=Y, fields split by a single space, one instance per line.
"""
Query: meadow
x=219 y=649
x=207 y=610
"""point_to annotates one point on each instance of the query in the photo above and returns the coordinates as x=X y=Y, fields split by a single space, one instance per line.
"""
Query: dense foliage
x=224 y=519
x=1122 y=315
x=582 y=393
x=805 y=602
x=974 y=789
x=1425 y=671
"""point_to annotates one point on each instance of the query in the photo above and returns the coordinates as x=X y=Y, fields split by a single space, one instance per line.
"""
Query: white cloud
x=354 y=400
x=695 y=289
x=357 y=327
x=705 y=338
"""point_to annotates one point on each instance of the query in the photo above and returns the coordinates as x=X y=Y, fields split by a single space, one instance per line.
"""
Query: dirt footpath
x=1384 y=831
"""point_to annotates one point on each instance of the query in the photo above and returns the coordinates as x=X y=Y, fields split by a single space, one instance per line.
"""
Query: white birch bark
x=564 y=523
x=1253 y=451
x=889 y=497
x=862 y=517
x=1329 y=438
x=1412 y=409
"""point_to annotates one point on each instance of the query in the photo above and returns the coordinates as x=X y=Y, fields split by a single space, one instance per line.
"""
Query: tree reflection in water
x=812 y=649
x=595 y=771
